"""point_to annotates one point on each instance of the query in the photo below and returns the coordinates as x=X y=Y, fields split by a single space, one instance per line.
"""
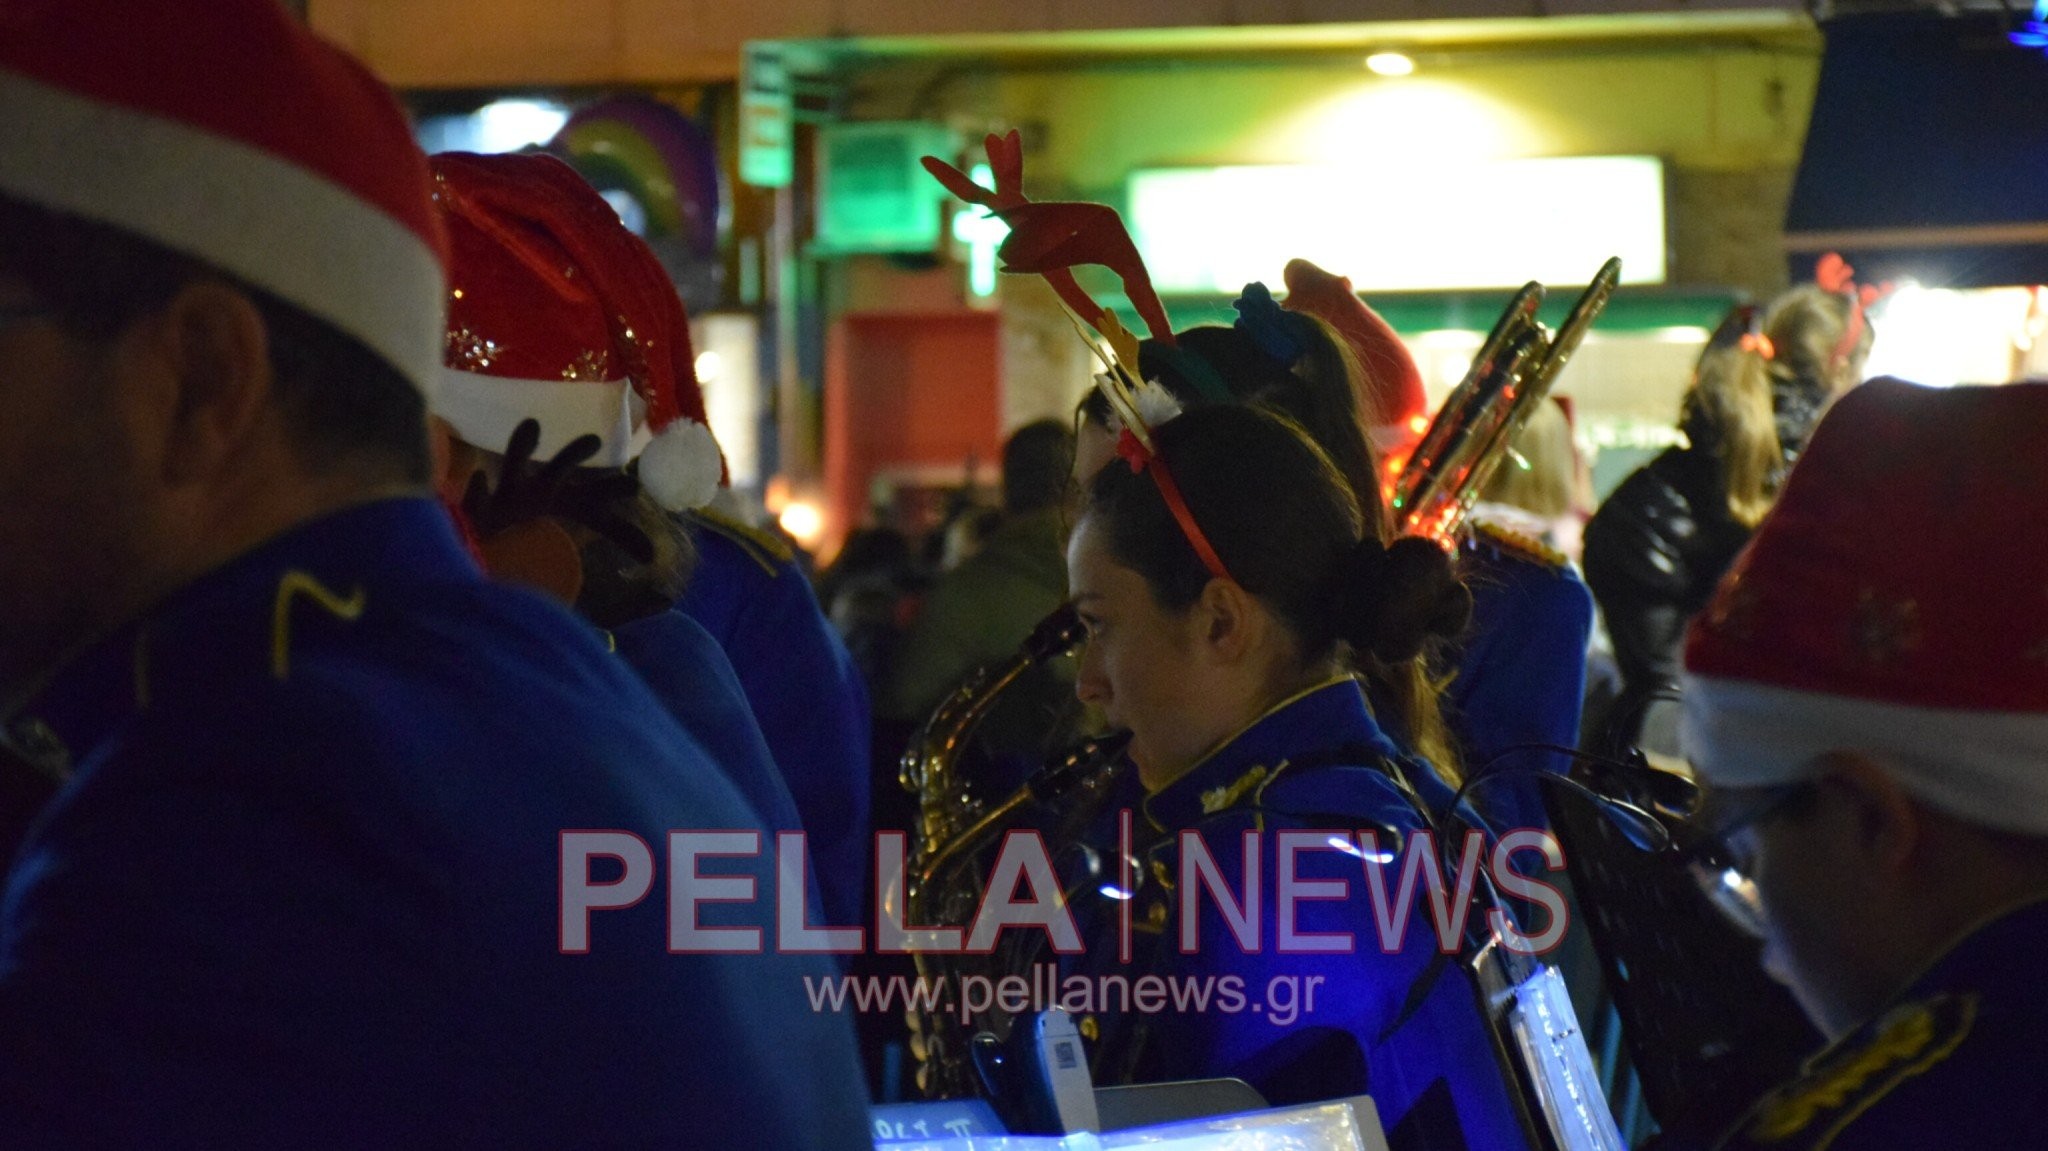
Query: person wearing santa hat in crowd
x=1866 y=697
x=565 y=344
x=304 y=882
x=559 y=314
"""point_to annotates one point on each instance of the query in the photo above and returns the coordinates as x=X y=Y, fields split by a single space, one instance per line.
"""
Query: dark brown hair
x=343 y=403
x=1318 y=391
x=1288 y=529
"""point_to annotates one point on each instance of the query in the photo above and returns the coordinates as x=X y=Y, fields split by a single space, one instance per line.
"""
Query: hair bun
x=1392 y=600
x=1358 y=569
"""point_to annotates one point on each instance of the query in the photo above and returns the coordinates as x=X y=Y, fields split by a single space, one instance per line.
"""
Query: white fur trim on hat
x=681 y=467
x=273 y=224
x=1156 y=405
x=483 y=410
x=1990 y=767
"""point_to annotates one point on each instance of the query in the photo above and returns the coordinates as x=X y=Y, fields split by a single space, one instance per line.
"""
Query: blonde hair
x=1729 y=406
x=1546 y=476
x=1808 y=327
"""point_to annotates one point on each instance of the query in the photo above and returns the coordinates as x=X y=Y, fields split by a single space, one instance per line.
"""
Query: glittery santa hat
x=1894 y=602
x=228 y=132
x=558 y=313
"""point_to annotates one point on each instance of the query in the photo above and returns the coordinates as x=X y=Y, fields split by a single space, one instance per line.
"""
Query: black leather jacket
x=1654 y=552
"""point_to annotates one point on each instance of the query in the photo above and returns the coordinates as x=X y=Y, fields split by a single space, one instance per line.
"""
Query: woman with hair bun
x=1312 y=382
x=1230 y=584
x=1482 y=697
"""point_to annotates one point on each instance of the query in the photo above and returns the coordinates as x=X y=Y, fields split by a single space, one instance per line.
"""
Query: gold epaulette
x=768 y=549
x=1226 y=795
x=1519 y=545
x=1850 y=1078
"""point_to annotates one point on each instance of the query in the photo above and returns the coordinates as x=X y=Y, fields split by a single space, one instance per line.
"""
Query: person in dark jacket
x=335 y=808
x=614 y=360
x=538 y=253
x=980 y=611
x=1658 y=544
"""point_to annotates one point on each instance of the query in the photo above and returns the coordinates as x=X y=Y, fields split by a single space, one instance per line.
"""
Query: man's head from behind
x=1036 y=460
x=1867 y=696
x=220 y=283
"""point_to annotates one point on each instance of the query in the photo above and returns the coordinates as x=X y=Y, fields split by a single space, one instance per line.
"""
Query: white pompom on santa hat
x=1894 y=603
x=228 y=132
x=559 y=314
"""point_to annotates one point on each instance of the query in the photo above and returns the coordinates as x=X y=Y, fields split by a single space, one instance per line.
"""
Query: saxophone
x=944 y=885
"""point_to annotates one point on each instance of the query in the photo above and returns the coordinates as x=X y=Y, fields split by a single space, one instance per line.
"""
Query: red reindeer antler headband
x=1050 y=239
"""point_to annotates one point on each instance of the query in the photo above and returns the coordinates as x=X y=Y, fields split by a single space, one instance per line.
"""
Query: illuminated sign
x=873 y=195
x=767 y=118
x=983 y=233
x=1404 y=227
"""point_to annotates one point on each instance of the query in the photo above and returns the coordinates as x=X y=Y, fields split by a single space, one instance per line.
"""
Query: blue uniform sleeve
x=189 y=949
x=1521 y=679
x=1293 y=1023
x=809 y=700
x=246 y=939
x=692 y=677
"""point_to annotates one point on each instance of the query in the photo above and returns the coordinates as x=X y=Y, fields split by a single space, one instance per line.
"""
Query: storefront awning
x=1927 y=154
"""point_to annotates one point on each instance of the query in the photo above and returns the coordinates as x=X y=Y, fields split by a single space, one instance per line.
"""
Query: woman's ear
x=1229 y=622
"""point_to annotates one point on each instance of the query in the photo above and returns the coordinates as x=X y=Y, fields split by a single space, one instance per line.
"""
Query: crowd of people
x=403 y=743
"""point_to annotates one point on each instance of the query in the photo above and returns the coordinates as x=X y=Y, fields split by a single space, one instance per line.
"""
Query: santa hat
x=1894 y=602
x=558 y=313
x=1395 y=403
x=228 y=132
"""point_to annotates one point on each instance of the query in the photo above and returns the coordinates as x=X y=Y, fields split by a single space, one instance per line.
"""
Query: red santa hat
x=1894 y=602
x=558 y=313
x=228 y=132
x=1395 y=402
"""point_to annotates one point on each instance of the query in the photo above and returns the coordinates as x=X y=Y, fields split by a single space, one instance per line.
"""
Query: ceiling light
x=1390 y=63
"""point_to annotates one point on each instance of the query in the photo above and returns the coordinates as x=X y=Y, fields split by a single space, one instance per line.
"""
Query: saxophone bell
x=1469 y=437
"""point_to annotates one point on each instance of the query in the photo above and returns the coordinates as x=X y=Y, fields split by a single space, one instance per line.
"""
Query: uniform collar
x=1330 y=715
x=240 y=615
x=1983 y=955
x=1979 y=962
